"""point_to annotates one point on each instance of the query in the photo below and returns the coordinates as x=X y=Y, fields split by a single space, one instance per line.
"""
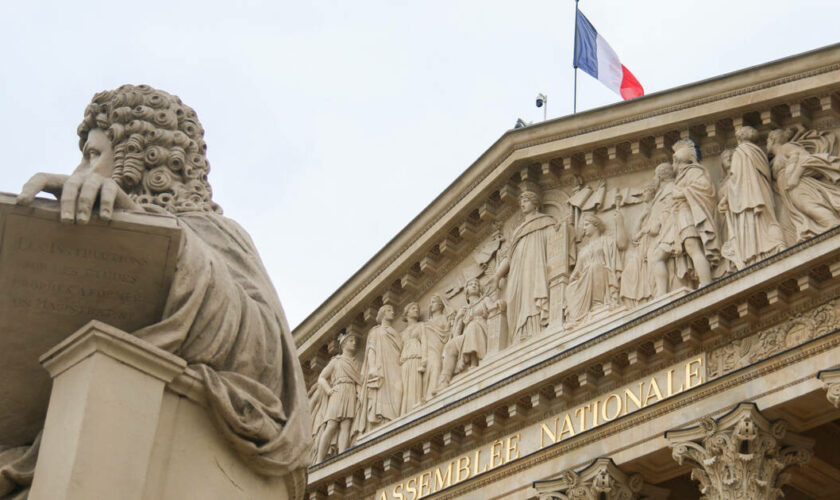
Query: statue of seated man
x=143 y=150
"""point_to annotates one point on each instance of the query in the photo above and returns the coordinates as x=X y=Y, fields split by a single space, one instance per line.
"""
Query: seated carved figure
x=594 y=282
x=806 y=167
x=142 y=149
x=469 y=334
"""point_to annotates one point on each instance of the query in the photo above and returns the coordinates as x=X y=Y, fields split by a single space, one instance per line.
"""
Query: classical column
x=103 y=415
x=600 y=480
x=831 y=378
x=740 y=455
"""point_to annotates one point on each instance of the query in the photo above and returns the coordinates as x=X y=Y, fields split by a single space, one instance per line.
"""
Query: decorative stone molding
x=832 y=382
x=601 y=479
x=740 y=455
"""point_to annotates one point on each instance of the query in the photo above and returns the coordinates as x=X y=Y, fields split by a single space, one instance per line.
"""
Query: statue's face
x=98 y=154
x=588 y=228
x=472 y=287
x=413 y=311
x=389 y=313
x=350 y=344
x=683 y=155
x=436 y=304
x=526 y=204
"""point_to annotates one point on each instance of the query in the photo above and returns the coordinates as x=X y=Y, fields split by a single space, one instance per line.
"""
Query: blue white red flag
x=595 y=56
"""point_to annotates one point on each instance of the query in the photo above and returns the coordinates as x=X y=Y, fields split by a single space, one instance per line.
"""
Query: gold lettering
x=425 y=484
x=442 y=481
x=567 y=427
x=411 y=489
x=690 y=373
x=494 y=454
x=653 y=390
x=383 y=496
x=629 y=394
x=513 y=446
x=476 y=462
x=463 y=465
x=398 y=492
x=671 y=384
x=580 y=413
x=604 y=410
x=545 y=430
x=594 y=406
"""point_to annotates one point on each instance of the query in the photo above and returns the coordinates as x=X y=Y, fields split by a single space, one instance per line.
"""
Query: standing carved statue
x=436 y=335
x=668 y=264
x=594 y=282
x=143 y=150
x=335 y=400
x=747 y=204
x=637 y=284
x=807 y=172
x=696 y=204
x=411 y=359
x=381 y=392
x=468 y=344
x=526 y=291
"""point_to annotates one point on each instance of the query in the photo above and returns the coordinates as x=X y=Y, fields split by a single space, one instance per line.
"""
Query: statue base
x=127 y=420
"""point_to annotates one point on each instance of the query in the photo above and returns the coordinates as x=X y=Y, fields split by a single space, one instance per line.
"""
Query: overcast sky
x=330 y=125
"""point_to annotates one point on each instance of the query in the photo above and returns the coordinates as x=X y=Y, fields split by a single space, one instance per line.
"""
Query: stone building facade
x=637 y=301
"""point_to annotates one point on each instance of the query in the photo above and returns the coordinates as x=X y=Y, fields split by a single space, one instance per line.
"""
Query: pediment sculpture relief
x=569 y=257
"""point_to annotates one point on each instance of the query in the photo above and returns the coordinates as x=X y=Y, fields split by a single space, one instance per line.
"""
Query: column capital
x=741 y=454
x=600 y=479
x=831 y=378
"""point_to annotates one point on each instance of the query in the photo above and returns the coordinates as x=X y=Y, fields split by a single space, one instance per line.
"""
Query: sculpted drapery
x=436 y=331
x=526 y=292
x=381 y=392
x=411 y=359
x=746 y=199
x=593 y=283
x=807 y=172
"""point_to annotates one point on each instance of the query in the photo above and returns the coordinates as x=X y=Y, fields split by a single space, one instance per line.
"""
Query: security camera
x=541 y=99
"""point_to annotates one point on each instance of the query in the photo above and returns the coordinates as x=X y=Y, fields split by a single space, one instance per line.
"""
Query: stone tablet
x=56 y=277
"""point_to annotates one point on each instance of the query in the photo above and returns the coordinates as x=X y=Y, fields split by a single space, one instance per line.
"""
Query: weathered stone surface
x=54 y=278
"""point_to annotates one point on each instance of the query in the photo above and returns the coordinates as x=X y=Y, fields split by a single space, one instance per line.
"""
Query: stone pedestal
x=126 y=420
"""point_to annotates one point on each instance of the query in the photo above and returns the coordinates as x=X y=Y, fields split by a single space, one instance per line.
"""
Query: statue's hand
x=78 y=193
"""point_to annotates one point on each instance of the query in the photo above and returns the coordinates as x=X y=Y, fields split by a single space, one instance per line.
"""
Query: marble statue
x=637 y=284
x=468 y=344
x=747 y=204
x=435 y=336
x=381 y=392
x=807 y=172
x=668 y=264
x=594 y=282
x=526 y=290
x=696 y=209
x=411 y=359
x=143 y=150
x=335 y=400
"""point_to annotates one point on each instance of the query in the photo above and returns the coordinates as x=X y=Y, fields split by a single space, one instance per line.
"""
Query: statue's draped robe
x=752 y=231
x=594 y=278
x=223 y=317
x=437 y=334
x=381 y=392
x=411 y=358
x=818 y=186
x=526 y=292
x=695 y=215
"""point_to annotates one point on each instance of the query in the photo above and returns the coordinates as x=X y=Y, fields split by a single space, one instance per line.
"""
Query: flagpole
x=574 y=58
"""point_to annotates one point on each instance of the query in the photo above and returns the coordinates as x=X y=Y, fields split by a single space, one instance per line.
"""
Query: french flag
x=595 y=56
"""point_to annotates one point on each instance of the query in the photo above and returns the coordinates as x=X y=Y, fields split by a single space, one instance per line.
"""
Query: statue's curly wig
x=159 y=149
